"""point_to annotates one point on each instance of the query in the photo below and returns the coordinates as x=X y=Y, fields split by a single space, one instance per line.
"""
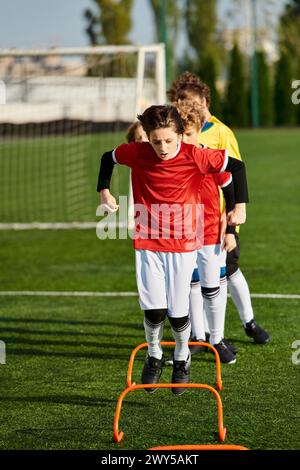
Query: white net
x=59 y=111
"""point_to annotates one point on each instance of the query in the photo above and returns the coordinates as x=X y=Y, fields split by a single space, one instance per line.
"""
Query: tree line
x=110 y=22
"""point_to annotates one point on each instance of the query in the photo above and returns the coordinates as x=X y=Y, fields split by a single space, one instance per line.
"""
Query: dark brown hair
x=156 y=117
x=186 y=84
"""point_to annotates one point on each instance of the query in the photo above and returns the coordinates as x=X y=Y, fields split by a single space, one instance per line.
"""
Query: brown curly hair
x=186 y=84
x=191 y=112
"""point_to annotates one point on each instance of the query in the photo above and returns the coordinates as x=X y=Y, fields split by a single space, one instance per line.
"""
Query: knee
x=179 y=324
x=210 y=292
x=155 y=316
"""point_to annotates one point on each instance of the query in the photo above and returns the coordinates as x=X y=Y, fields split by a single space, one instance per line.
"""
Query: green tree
x=264 y=90
x=167 y=18
x=201 y=26
x=111 y=23
x=285 y=110
x=289 y=29
x=236 y=96
x=208 y=74
x=289 y=40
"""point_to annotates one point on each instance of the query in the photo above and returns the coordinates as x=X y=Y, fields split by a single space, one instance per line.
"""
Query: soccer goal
x=60 y=109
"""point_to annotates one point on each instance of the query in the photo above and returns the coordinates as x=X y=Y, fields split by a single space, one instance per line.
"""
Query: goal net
x=60 y=109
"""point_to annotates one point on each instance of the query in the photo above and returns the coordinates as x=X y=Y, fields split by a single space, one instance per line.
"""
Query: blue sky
x=44 y=23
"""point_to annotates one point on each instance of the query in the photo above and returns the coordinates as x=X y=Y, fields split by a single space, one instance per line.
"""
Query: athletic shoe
x=230 y=346
x=181 y=374
x=152 y=371
x=225 y=354
x=197 y=348
x=253 y=330
x=169 y=361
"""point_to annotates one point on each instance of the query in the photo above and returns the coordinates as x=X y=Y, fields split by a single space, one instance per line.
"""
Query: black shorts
x=232 y=258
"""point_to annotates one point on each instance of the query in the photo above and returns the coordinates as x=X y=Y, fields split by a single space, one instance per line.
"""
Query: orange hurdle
x=201 y=447
x=118 y=436
x=129 y=382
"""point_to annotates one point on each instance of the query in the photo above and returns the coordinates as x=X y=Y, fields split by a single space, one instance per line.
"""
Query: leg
x=209 y=267
x=152 y=298
x=196 y=308
x=154 y=327
x=179 y=268
x=240 y=294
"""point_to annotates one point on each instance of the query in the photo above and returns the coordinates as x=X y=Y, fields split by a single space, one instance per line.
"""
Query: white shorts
x=223 y=256
x=208 y=261
x=163 y=280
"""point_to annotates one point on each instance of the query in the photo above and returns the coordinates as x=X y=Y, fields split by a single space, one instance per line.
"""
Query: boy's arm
x=237 y=168
x=227 y=237
x=104 y=178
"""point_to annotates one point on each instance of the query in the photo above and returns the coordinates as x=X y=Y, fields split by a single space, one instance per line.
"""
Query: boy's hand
x=108 y=201
x=238 y=215
x=229 y=242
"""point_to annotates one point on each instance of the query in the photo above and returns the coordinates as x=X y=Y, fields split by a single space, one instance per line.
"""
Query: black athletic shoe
x=253 y=330
x=152 y=371
x=181 y=375
x=197 y=348
x=230 y=346
x=226 y=355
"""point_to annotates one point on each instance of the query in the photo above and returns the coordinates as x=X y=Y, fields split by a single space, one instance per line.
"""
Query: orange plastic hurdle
x=201 y=447
x=118 y=435
x=129 y=382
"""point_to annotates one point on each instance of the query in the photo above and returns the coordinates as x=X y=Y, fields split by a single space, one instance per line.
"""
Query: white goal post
x=60 y=108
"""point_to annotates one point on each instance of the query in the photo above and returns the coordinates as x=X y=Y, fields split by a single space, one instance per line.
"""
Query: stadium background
x=66 y=356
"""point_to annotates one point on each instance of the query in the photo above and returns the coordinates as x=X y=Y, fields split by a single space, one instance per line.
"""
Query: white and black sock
x=181 y=330
x=196 y=312
x=223 y=297
x=214 y=313
x=154 y=334
x=240 y=294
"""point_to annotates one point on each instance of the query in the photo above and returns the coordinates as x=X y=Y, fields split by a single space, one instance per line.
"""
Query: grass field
x=67 y=357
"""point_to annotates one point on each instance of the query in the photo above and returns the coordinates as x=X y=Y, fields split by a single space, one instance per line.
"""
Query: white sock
x=240 y=294
x=196 y=312
x=215 y=318
x=223 y=296
x=205 y=322
x=154 y=334
x=181 y=351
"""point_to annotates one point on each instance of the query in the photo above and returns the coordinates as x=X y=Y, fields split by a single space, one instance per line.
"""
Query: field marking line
x=119 y=294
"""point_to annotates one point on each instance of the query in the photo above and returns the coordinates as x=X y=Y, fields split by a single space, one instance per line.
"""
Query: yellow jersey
x=216 y=135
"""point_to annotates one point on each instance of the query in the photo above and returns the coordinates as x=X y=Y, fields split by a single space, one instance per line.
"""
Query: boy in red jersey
x=211 y=256
x=166 y=171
